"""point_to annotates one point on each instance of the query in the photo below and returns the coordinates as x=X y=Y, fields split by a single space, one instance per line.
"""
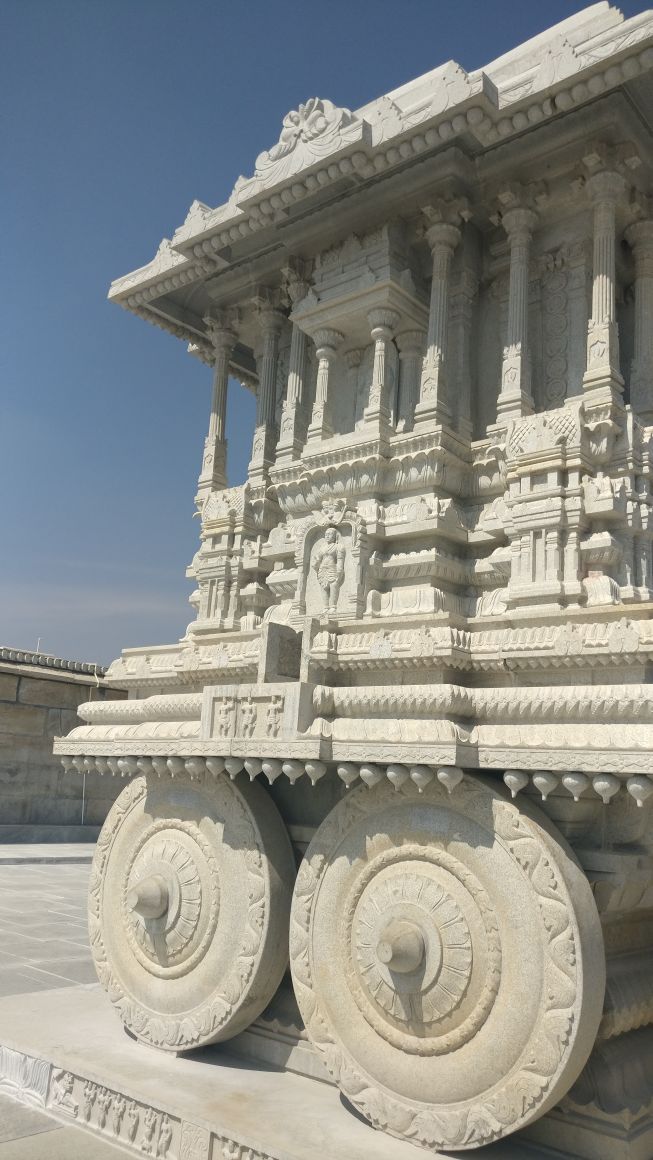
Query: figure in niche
x=104 y=1102
x=165 y=1137
x=274 y=716
x=118 y=1113
x=90 y=1093
x=224 y=716
x=62 y=1090
x=150 y=1123
x=133 y=1117
x=329 y=566
x=248 y=714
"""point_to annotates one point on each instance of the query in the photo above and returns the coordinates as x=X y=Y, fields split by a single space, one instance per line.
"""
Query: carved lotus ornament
x=308 y=133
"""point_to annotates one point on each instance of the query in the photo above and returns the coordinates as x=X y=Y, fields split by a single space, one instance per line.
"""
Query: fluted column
x=326 y=346
x=213 y=475
x=605 y=190
x=383 y=324
x=515 y=397
x=411 y=355
x=463 y=296
x=290 y=434
x=433 y=406
x=640 y=237
x=270 y=324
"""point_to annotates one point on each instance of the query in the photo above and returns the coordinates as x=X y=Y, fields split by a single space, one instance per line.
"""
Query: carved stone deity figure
x=329 y=565
x=62 y=1088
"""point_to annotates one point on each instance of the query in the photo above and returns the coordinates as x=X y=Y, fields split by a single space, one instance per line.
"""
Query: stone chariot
x=405 y=746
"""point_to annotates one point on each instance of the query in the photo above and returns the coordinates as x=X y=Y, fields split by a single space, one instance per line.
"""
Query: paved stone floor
x=43 y=932
x=44 y=945
x=27 y=1134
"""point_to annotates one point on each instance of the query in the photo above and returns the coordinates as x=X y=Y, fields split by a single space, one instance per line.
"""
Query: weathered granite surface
x=424 y=620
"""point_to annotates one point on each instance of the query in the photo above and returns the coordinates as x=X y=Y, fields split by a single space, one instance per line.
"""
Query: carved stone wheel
x=188 y=908
x=448 y=960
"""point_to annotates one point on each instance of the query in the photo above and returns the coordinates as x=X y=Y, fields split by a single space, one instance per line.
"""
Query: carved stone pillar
x=605 y=190
x=463 y=296
x=353 y=359
x=640 y=237
x=290 y=433
x=213 y=475
x=433 y=406
x=411 y=355
x=383 y=324
x=270 y=322
x=326 y=345
x=515 y=395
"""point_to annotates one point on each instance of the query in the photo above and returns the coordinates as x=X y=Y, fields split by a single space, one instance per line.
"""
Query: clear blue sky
x=116 y=114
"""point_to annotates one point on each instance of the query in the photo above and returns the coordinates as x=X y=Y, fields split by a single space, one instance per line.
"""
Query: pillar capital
x=442 y=236
x=269 y=310
x=639 y=236
x=452 y=210
x=383 y=323
x=519 y=223
x=353 y=358
x=410 y=342
x=221 y=330
x=270 y=320
x=608 y=186
x=296 y=282
x=327 y=342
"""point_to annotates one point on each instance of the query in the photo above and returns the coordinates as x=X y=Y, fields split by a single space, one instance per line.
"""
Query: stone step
x=70 y=853
x=40 y=833
x=69 y=1055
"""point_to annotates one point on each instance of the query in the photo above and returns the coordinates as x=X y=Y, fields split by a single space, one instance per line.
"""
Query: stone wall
x=39 y=800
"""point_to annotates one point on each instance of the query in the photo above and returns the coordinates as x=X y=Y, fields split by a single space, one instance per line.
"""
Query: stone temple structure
x=406 y=745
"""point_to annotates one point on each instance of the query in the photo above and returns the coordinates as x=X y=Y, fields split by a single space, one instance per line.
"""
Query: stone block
x=69 y=720
x=8 y=687
x=22 y=719
x=54 y=693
